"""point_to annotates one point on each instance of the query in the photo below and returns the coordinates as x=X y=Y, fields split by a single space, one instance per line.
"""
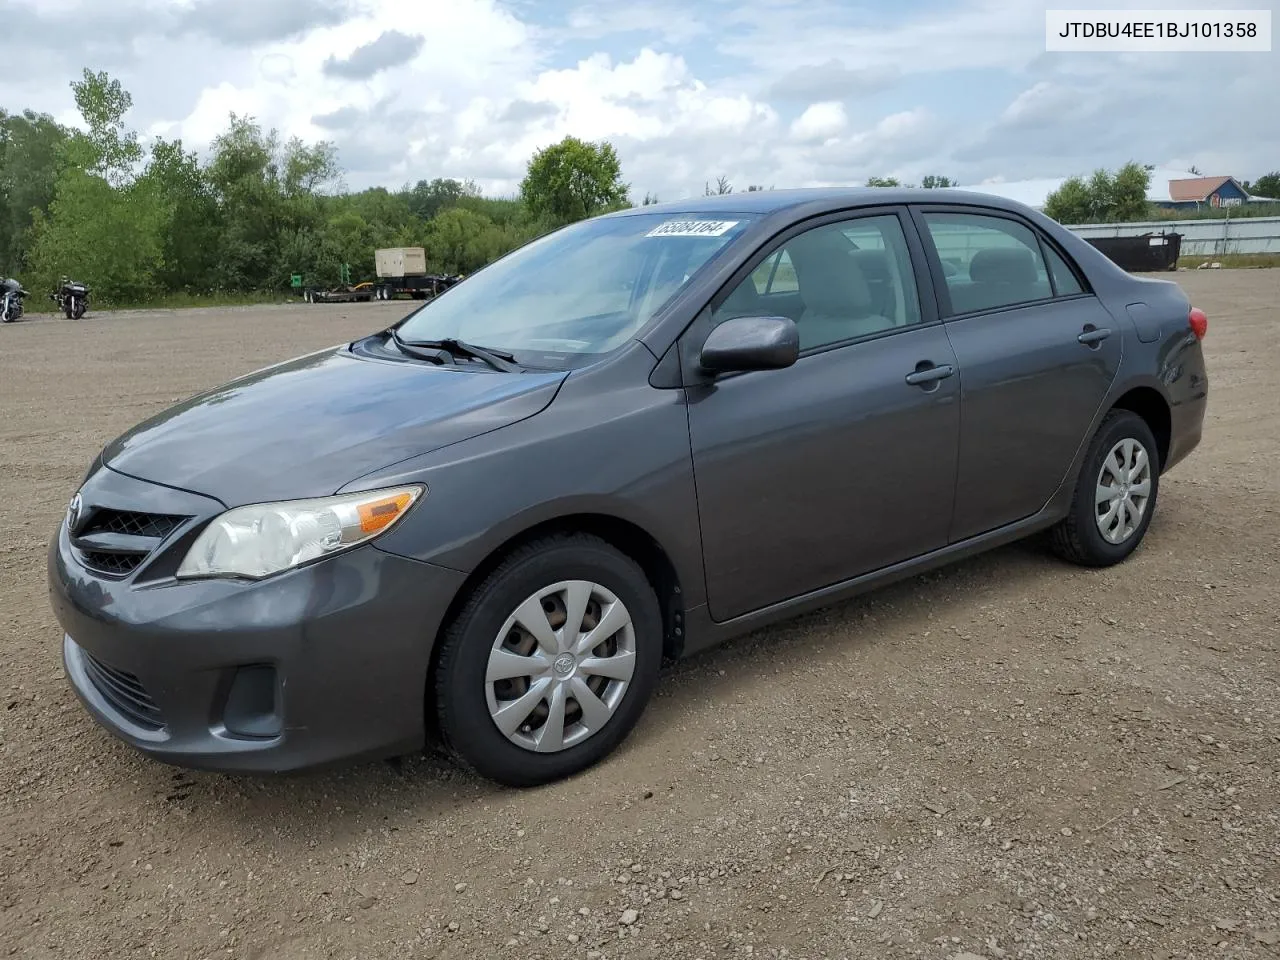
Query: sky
x=783 y=93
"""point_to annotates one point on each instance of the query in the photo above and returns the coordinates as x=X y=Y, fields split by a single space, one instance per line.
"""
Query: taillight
x=1199 y=322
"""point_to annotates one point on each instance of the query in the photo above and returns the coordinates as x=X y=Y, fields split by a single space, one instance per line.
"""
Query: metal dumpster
x=1149 y=253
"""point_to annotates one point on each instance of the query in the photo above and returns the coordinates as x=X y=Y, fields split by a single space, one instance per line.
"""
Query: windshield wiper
x=498 y=359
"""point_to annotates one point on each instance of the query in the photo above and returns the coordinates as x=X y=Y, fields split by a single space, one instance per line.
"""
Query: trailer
x=360 y=293
x=403 y=271
x=345 y=292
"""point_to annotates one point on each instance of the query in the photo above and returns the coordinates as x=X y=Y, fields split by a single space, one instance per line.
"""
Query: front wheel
x=550 y=663
x=1115 y=494
x=77 y=310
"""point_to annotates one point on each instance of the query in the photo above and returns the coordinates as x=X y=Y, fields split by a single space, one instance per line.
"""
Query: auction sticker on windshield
x=692 y=228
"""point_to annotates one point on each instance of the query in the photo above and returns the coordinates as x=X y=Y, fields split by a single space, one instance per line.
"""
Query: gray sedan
x=626 y=441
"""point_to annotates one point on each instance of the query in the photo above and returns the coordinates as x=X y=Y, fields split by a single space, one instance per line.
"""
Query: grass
x=1243 y=212
x=1234 y=261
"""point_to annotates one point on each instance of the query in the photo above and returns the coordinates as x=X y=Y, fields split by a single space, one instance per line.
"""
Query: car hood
x=308 y=426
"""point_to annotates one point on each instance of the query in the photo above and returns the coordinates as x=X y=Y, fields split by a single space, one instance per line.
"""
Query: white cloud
x=820 y=121
x=761 y=91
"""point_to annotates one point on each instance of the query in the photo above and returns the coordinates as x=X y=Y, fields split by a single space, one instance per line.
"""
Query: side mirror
x=751 y=343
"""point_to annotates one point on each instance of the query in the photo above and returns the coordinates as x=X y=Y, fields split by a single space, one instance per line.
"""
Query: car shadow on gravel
x=342 y=801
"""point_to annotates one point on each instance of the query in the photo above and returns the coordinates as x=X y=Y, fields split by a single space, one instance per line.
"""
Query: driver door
x=836 y=466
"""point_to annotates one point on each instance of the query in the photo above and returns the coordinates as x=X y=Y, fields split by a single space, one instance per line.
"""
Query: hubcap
x=560 y=666
x=1123 y=491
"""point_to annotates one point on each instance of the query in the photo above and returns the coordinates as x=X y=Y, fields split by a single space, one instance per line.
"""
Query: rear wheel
x=551 y=662
x=1115 y=494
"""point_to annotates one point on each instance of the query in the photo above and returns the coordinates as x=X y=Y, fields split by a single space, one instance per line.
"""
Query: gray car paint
x=602 y=454
x=750 y=497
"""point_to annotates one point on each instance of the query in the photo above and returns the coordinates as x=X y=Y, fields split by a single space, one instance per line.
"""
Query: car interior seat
x=999 y=276
x=838 y=301
x=878 y=272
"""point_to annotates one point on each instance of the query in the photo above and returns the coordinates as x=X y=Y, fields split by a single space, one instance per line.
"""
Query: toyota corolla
x=624 y=442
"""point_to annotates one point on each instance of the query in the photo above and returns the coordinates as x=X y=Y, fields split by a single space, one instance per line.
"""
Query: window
x=1065 y=282
x=775 y=275
x=992 y=262
x=837 y=282
x=579 y=292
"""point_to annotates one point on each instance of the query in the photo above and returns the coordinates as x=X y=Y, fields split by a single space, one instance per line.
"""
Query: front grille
x=115 y=564
x=154 y=525
x=116 y=542
x=124 y=692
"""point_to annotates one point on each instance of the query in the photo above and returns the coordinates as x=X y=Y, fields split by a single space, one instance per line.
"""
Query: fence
x=1200 y=238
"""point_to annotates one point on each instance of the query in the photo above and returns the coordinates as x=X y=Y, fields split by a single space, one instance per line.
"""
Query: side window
x=837 y=282
x=1065 y=281
x=775 y=275
x=989 y=262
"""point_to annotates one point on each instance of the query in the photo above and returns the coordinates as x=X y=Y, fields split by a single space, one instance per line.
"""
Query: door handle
x=1094 y=335
x=929 y=374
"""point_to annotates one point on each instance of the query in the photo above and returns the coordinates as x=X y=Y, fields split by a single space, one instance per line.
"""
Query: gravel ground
x=1008 y=758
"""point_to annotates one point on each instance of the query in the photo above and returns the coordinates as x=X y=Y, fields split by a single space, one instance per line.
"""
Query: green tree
x=572 y=180
x=1267 y=185
x=1128 y=196
x=883 y=182
x=108 y=149
x=310 y=169
x=110 y=238
x=461 y=241
x=1119 y=197
x=30 y=147
x=351 y=239
x=244 y=175
x=102 y=226
x=191 y=225
x=427 y=198
x=1071 y=202
x=935 y=182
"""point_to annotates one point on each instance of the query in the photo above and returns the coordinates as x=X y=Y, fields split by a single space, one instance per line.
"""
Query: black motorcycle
x=11 y=300
x=72 y=298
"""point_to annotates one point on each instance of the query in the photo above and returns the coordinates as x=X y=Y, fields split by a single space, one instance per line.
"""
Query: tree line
x=138 y=223
x=1121 y=197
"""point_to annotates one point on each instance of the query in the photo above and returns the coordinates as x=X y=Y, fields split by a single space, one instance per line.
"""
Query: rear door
x=1037 y=350
x=844 y=462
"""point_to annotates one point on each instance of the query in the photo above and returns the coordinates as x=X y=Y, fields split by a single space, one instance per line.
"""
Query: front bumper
x=323 y=664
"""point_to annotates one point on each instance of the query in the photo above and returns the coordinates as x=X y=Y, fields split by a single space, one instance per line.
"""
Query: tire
x=1079 y=538
x=78 y=312
x=465 y=701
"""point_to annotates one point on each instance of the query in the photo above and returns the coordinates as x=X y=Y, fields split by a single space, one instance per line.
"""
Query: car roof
x=816 y=200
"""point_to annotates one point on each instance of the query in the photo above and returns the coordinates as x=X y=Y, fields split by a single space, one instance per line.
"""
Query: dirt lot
x=1010 y=758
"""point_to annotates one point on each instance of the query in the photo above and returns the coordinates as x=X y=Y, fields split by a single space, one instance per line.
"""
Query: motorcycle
x=72 y=298
x=11 y=305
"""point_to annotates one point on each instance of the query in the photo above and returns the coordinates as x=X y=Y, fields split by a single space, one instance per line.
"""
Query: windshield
x=579 y=292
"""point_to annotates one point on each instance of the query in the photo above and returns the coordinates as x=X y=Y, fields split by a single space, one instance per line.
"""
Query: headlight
x=265 y=538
